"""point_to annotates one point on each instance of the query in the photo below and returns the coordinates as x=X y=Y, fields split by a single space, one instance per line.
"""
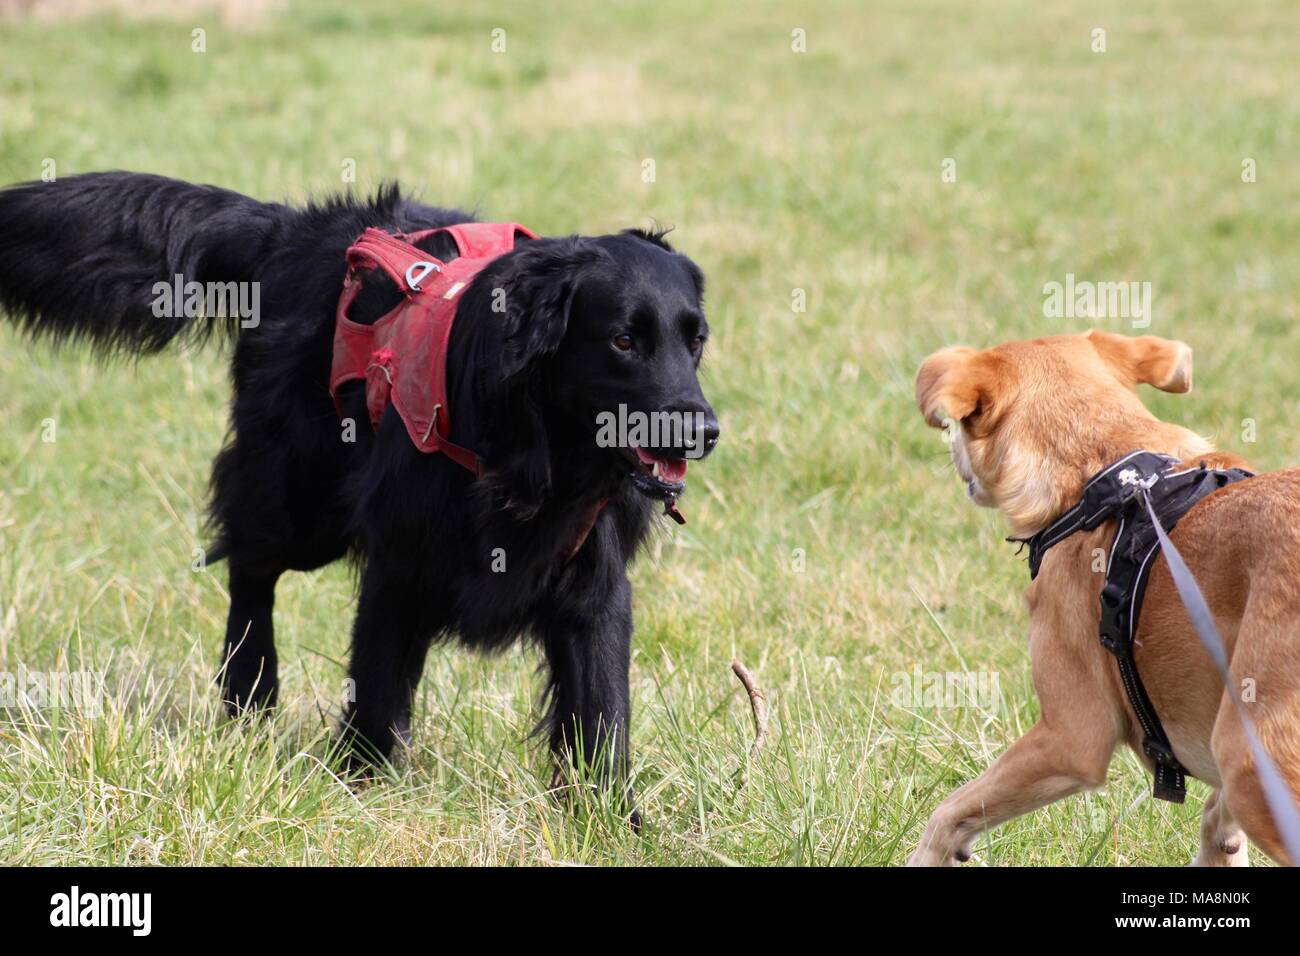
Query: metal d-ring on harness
x=423 y=267
x=1121 y=491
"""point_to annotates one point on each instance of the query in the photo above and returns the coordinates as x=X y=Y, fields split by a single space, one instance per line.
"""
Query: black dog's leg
x=588 y=642
x=248 y=675
x=389 y=645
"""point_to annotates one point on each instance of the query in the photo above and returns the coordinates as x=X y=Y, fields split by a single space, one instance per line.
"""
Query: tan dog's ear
x=948 y=385
x=1146 y=359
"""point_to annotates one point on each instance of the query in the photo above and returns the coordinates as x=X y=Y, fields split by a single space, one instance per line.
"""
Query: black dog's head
x=603 y=338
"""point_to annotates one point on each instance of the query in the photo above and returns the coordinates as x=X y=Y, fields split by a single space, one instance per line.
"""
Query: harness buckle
x=1160 y=754
x=1114 y=627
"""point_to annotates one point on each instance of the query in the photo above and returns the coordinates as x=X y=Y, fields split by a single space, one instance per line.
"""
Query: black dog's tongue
x=671 y=510
x=672 y=469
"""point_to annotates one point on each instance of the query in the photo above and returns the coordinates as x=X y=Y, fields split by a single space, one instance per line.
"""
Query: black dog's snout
x=699 y=431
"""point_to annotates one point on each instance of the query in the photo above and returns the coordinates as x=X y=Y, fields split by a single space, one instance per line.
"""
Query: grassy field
x=829 y=544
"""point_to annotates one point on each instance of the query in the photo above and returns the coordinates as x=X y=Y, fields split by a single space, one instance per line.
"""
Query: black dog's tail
x=80 y=258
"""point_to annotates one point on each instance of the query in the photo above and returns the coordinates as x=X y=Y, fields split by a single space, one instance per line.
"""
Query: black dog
x=590 y=324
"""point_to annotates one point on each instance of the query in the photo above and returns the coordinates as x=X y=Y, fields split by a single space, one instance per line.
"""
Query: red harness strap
x=584 y=529
x=403 y=356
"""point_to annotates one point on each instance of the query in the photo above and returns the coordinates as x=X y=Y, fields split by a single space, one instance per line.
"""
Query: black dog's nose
x=700 y=429
x=711 y=433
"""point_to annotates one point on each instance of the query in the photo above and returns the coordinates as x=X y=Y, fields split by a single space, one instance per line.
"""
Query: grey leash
x=1285 y=814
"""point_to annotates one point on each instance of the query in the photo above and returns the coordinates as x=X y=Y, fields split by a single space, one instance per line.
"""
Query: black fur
x=78 y=260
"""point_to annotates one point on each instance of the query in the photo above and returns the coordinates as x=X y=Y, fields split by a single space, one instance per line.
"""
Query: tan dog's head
x=1030 y=422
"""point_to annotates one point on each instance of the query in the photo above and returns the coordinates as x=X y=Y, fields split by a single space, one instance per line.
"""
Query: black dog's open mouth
x=656 y=476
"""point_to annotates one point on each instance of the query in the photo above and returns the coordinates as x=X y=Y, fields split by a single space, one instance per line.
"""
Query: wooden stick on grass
x=757 y=703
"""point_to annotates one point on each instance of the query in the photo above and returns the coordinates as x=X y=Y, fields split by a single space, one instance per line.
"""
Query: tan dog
x=1031 y=423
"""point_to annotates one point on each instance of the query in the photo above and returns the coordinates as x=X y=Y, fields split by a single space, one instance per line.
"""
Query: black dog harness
x=1116 y=492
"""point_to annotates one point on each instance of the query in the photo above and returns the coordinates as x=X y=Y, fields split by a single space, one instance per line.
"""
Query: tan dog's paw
x=1228 y=851
x=929 y=854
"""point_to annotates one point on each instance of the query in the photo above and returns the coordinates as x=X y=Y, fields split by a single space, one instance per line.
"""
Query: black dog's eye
x=697 y=343
x=623 y=342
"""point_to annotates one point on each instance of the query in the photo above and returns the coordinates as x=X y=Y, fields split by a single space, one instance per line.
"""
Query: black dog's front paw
x=362 y=757
x=248 y=694
x=634 y=821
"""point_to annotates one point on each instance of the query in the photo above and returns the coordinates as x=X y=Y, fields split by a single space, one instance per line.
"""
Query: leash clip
x=1131 y=478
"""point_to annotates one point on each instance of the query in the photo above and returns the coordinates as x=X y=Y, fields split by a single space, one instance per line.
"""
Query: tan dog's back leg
x=1241 y=787
x=1222 y=841
x=1264 y=659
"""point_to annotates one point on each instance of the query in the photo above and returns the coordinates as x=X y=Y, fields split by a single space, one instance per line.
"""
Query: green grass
x=817 y=171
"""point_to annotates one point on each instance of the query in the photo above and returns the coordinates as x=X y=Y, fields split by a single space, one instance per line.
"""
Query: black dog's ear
x=536 y=289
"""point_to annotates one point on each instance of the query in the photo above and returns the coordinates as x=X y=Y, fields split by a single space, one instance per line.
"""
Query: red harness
x=403 y=356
